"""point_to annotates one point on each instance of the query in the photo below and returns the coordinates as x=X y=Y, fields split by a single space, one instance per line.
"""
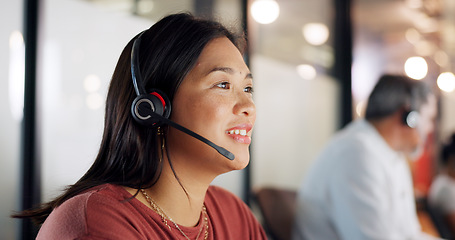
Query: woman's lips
x=239 y=133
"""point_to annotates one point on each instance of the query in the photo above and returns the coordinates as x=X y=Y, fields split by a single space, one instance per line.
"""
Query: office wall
x=78 y=50
x=11 y=18
x=295 y=118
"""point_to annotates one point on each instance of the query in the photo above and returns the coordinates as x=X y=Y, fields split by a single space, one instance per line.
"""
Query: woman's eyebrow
x=228 y=70
x=222 y=69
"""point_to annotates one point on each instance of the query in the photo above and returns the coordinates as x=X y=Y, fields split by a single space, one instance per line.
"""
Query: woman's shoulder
x=98 y=195
x=107 y=200
x=72 y=213
x=78 y=204
x=75 y=216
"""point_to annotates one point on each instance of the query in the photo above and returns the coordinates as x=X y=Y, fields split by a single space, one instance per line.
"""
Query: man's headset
x=411 y=116
x=154 y=108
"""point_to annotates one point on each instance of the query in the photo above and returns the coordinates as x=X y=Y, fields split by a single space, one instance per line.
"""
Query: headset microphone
x=152 y=109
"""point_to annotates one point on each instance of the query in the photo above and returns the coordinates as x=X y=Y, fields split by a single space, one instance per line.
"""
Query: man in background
x=360 y=186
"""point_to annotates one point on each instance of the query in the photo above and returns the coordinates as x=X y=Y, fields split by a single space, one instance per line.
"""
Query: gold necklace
x=165 y=217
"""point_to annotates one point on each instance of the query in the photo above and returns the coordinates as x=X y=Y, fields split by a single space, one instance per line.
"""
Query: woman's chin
x=241 y=161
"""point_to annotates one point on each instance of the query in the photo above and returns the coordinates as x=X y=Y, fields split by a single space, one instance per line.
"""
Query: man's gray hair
x=393 y=93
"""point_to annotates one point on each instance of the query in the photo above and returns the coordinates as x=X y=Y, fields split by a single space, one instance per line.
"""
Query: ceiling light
x=16 y=73
x=315 y=33
x=92 y=83
x=306 y=71
x=265 y=11
x=144 y=7
x=446 y=82
x=416 y=67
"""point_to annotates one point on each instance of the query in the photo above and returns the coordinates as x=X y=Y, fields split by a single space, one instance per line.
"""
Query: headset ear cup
x=148 y=109
x=411 y=118
x=165 y=103
x=145 y=110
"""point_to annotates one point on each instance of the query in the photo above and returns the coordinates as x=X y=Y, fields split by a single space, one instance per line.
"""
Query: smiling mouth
x=241 y=132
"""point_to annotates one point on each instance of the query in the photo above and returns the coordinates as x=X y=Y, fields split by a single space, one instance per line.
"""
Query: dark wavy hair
x=128 y=153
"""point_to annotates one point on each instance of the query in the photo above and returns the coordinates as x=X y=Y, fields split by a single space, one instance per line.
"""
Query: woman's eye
x=248 y=90
x=224 y=85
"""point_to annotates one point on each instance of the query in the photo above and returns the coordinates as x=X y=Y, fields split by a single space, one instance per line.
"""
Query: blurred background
x=314 y=64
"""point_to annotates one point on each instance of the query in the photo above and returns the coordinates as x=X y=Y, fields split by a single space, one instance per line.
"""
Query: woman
x=150 y=179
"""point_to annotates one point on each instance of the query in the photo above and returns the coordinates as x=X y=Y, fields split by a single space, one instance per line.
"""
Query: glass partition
x=11 y=103
x=296 y=96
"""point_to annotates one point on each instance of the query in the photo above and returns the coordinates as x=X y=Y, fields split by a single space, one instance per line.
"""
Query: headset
x=411 y=116
x=153 y=108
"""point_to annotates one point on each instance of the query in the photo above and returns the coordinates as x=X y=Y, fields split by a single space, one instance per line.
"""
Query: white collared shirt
x=358 y=188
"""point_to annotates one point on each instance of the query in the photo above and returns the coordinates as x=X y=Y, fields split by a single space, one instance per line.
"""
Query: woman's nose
x=245 y=105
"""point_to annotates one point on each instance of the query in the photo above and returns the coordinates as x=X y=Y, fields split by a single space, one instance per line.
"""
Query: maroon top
x=103 y=213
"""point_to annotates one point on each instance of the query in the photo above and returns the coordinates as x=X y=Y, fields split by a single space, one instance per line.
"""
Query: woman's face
x=215 y=100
